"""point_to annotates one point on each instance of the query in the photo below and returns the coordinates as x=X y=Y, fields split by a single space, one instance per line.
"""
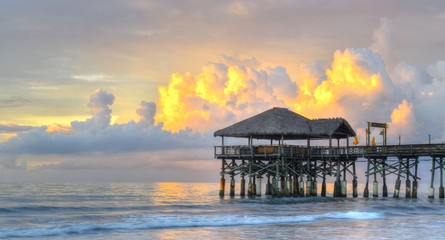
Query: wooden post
x=408 y=182
x=366 y=191
x=354 y=182
x=385 y=187
x=301 y=191
x=243 y=186
x=278 y=189
x=222 y=181
x=375 y=185
x=323 y=184
x=232 y=186
x=441 y=189
x=397 y=187
x=249 y=185
x=344 y=184
x=433 y=169
x=295 y=187
x=337 y=184
x=258 y=185
x=268 y=186
x=414 y=191
x=232 y=181
x=274 y=186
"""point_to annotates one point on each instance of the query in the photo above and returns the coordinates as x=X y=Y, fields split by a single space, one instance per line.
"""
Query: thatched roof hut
x=281 y=123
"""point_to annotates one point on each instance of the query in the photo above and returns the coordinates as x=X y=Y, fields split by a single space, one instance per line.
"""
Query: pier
x=298 y=169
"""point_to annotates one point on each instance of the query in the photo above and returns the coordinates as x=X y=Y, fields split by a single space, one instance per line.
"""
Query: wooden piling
x=398 y=181
x=375 y=185
x=337 y=184
x=283 y=186
x=407 y=182
x=323 y=184
x=278 y=189
x=243 y=186
x=385 y=187
x=232 y=186
x=344 y=183
x=274 y=186
x=354 y=182
x=258 y=185
x=296 y=186
x=253 y=190
x=314 y=188
x=301 y=191
x=308 y=187
x=366 y=191
x=414 y=188
x=433 y=169
x=268 y=186
x=441 y=189
x=222 y=183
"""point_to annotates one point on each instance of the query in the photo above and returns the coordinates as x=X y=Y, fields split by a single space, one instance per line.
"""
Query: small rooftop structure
x=281 y=123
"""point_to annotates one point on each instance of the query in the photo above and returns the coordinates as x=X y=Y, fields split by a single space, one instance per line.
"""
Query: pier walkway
x=295 y=170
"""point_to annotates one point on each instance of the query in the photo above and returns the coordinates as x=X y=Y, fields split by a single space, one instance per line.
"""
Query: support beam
x=398 y=181
x=366 y=191
x=243 y=186
x=441 y=189
x=433 y=169
x=222 y=181
x=415 y=185
x=407 y=182
x=354 y=182
x=385 y=187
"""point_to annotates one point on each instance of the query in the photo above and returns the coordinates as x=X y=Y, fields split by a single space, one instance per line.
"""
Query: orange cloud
x=58 y=128
x=354 y=86
x=221 y=94
x=403 y=120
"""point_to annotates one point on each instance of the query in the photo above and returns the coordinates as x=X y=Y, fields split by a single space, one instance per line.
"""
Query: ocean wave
x=148 y=222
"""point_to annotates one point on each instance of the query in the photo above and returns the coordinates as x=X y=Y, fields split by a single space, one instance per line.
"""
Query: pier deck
x=261 y=152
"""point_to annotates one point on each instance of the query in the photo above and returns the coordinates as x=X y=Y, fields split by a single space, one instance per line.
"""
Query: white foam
x=147 y=222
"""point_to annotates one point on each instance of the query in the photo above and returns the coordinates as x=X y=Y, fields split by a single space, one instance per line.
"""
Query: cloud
x=222 y=93
x=12 y=128
x=99 y=109
x=12 y=102
x=147 y=112
x=382 y=44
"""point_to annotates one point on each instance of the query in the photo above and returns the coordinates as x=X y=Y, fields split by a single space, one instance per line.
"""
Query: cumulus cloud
x=96 y=136
x=356 y=85
x=99 y=104
x=222 y=93
x=382 y=44
x=147 y=113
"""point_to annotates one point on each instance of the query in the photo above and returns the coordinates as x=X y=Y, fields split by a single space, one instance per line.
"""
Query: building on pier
x=286 y=167
x=294 y=170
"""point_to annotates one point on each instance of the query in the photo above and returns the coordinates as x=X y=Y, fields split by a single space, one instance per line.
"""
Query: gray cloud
x=14 y=101
x=10 y=128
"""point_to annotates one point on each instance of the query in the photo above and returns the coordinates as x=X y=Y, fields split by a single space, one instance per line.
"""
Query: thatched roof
x=271 y=124
x=277 y=123
x=334 y=127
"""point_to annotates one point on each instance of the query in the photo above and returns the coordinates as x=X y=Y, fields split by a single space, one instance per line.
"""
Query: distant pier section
x=297 y=170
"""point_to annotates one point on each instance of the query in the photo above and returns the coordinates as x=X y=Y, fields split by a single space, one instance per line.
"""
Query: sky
x=133 y=90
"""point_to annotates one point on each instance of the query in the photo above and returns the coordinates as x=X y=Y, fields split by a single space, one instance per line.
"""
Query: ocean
x=195 y=211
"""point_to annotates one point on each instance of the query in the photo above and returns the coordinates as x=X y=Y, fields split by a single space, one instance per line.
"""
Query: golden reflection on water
x=181 y=193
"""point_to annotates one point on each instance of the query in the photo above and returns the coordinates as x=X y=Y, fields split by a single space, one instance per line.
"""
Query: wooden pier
x=297 y=170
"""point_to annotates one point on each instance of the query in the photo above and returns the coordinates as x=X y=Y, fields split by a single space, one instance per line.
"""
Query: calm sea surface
x=194 y=211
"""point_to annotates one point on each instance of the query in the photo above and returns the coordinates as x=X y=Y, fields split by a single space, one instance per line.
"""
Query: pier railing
x=321 y=152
